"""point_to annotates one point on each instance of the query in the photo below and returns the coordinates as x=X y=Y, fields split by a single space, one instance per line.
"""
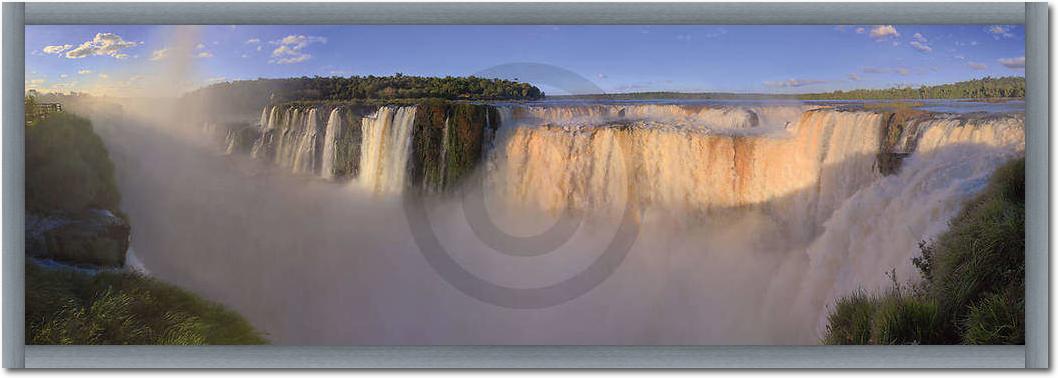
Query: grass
x=66 y=307
x=973 y=280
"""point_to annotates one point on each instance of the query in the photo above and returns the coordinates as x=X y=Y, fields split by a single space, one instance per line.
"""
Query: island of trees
x=398 y=86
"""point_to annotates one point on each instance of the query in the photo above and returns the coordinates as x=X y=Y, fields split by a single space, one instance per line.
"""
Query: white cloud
x=793 y=83
x=903 y=71
x=253 y=41
x=244 y=56
x=200 y=46
x=37 y=81
x=1000 y=31
x=600 y=75
x=959 y=57
x=56 y=49
x=884 y=31
x=104 y=76
x=204 y=54
x=977 y=66
x=104 y=44
x=919 y=37
x=290 y=49
x=854 y=77
x=860 y=30
x=63 y=76
x=84 y=72
x=160 y=54
x=920 y=46
x=216 y=79
x=1013 y=63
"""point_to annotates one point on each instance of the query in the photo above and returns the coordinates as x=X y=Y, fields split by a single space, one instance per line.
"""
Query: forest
x=984 y=88
x=988 y=87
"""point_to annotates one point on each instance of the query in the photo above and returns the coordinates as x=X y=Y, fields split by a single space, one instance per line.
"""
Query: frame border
x=1037 y=186
x=523 y=13
x=1035 y=354
x=13 y=196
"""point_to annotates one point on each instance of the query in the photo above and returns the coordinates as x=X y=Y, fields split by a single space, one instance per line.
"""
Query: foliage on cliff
x=448 y=142
x=68 y=168
x=973 y=280
x=988 y=87
x=66 y=307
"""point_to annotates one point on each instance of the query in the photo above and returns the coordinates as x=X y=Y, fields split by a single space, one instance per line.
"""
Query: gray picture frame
x=1034 y=354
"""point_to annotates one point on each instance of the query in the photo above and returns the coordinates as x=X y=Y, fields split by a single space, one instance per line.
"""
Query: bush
x=850 y=322
x=996 y=319
x=902 y=319
x=69 y=307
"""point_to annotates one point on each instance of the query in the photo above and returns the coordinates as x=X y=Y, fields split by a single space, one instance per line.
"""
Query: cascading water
x=753 y=219
x=385 y=149
x=334 y=126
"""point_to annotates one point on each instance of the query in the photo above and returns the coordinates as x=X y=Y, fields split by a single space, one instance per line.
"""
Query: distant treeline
x=677 y=96
x=988 y=87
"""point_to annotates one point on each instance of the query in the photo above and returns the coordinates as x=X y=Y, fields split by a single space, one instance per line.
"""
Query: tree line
x=988 y=87
x=398 y=86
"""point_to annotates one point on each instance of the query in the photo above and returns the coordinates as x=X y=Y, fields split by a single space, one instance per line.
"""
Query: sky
x=138 y=59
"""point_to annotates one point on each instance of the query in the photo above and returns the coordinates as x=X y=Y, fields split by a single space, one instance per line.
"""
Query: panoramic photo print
x=525 y=184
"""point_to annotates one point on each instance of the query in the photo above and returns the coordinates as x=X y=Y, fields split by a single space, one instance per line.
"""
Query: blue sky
x=127 y=59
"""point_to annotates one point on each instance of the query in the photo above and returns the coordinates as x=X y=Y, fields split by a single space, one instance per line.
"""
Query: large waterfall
x=753 y=218
x=386 y=148
x=796 y=160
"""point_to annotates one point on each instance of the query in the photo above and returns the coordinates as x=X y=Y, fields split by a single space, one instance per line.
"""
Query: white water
x=334 y=126
x=385 y=149
x=745 y=237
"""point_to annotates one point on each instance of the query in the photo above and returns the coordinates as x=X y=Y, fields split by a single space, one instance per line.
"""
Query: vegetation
x=68 y=307
x=678 y=96
x=448 y=142
x=988 y=87
x=68 y=168
x=248 y=96
x=973 y=280
x=985 y=88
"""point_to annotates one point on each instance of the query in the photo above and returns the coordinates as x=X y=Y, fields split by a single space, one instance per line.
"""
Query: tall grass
x=973 y=280
x=67 y=307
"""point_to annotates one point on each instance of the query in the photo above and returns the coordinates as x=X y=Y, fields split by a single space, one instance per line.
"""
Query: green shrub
x=67 y=167
x=996 y=319
x=850 y=321
x=119 y=308
x=902 y=319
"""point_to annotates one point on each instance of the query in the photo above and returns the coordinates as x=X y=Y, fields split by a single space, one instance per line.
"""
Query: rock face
x=449 y=143
x=95 y=237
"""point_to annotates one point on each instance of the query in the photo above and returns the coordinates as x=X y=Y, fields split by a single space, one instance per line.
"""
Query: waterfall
x=826 y=158
x=385 y=148
x=330 y=140
x=670 y=116
x=878 y=229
